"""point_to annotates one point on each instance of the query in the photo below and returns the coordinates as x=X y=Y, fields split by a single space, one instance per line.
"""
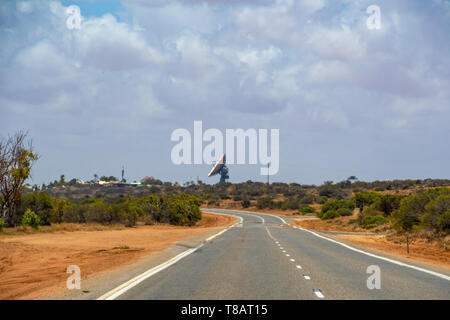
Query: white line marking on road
x=298 y=266
x=118 y=291
x=288 y=255
x=268 y=214
x=318 y=293
x=268 y=232
x=284 y=251
x=306 y=277
x=293 y=260
x=440 y=275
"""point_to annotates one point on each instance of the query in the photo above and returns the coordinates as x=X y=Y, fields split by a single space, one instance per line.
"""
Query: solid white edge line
x=118 y=291
x=440 y=275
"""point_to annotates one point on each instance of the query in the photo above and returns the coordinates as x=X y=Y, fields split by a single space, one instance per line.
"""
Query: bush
x=285 y=206
x=330 y=214
x=421 y=209
x=74 y=213
x=363 y=199
x=308 y=199
x=336 y=208
x=443 y=221
x=322 y=200
x=435 y=209
x=345 y=211
x=30 y=219
x=307 y=209
x=98 y=212
x=374 y=220
x=1 y=225
x=245 y=203
x=264 y=202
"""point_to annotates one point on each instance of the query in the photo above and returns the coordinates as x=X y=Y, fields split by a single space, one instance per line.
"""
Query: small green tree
x=1 y=225
x=30 y=219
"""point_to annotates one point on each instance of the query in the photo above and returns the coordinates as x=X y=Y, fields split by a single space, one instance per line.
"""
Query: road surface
x=265 y=258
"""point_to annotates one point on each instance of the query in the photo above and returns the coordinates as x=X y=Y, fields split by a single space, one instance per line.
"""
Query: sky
x=347 y=100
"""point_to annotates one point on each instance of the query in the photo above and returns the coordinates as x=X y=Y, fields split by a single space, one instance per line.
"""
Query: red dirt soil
x=32 y=265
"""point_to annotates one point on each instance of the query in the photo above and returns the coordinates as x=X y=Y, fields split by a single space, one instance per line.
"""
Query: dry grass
x=60 y=227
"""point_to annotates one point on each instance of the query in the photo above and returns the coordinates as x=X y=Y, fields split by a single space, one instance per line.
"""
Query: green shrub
x=443 y=221
x=307 y=209
x=421 y=209
x=333 y=206
x=330 y=214
x=1 y=225
x=435 y=209
x=345 y=211
x=308 y=199
x=374 y=220
x=322 y=200
x=264 y=202
x=285 y=206
x=74 y=213
x=30 y=219
x=363 y=199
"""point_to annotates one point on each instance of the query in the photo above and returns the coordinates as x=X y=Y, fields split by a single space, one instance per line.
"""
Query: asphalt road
x=263 y=258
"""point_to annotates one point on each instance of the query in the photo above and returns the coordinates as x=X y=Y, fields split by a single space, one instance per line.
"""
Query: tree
x=62 y=179
x=95 y=178
x=16 y=161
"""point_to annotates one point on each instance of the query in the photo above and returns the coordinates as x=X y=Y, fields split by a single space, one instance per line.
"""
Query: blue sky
x=347 y=100
x=96 y=8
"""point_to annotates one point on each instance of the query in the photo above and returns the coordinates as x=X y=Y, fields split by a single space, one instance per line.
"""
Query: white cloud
x=340 y=44
x=302 y=66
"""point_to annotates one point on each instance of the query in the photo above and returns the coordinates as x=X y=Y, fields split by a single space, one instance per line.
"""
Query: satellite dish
x=218 y=166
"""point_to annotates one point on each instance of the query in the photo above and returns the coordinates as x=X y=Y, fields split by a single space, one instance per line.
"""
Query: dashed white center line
x=298 y=266
x=288 y=255
x=293 y=260
x=284 y=251
x=318 y=293
x=306 y=277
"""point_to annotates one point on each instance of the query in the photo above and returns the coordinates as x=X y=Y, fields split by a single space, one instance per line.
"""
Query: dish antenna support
x=220 y=168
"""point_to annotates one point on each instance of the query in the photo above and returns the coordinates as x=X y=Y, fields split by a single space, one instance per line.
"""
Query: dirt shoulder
x=434 y=252
x=340 y=224
x=32 y=265
x=421 y=250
